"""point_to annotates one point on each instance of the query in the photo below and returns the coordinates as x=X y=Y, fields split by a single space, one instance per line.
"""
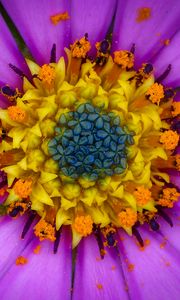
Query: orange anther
x=127 y=218
x=169 y=139
x=23 y=188
x=47 y=75
x=155 y=93
x=80 y=48
x=125 y=59
x=142 y=195
x=44 y=230
x=55 y=19
x=168 y=197
x=83 y=225
x=17 y=114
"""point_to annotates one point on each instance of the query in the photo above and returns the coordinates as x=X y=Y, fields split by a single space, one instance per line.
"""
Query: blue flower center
x=90 y=143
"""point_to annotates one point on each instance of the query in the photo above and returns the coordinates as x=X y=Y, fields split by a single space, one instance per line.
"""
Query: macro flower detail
x=89 y=153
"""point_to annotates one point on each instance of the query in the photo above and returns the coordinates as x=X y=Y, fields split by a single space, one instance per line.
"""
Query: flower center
x=90 y=143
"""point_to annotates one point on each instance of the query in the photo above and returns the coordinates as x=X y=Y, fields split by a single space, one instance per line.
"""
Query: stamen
x=142 y=195
x=169 y=139
x=53 y=54
x=55 y=19
x=143 y=14
x=127 y=218
x=136 y=233
x=16 y=208
x=47 y=75
x=28 y=224
x=125 y=59
x=83 y=225
x=97 y=233
x=164 y=74
x=165 y=216
x=10 y=93
x=155 y=93
x=17 y=70
x=176 y=109
x=103 y=49
x=17 y=114
x=57 y=240
x=23 y=188
x=154 y=225
x=168 y=197
x=80 y=48
x=44 y=230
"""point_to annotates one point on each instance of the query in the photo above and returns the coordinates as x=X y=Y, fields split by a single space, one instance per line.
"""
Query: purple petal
x=11 y=244
x=169 y=55
x=10 y=54
x=45 y=276
x=156 y=268
x=97 y=278
x=149 y=35
x=92 y=17
x=32 y=19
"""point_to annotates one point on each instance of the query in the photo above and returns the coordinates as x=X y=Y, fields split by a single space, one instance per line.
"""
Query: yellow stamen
x=143 y=14
x=55 y=19
x=80 y=48
x=127 y=218
x=44 y=230
x=47 y=75
x=155 y=93
x=21 y=260
x=23 y=188
x=142 y=195
x=17 y=114
x=169 y=196
x=83 y=225
x=169 y=139
x=176 y=109
x=125 y=59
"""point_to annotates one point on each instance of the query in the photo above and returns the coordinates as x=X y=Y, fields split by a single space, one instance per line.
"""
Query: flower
x=90 y=147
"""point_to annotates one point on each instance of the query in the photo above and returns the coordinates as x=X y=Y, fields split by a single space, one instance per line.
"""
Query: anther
x=124 y=59
x=23 y=188
x=165 y=216
x=83 y=225
x=17 y=70
x=53 y=54
x=154 y=224
x=17 y=114
x=98 y=236
x=57 y=240
x=136 y=233
x=164 y=74
x=155 y=93
x=169 y=139
x=28 y=224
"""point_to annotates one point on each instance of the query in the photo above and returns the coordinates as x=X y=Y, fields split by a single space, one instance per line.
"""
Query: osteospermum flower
x=89 y=155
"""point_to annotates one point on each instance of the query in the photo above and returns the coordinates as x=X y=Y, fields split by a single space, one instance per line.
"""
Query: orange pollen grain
x=155 y=93
x=176 y=109
x=169 y=139
x=21 y=260
x=23 y=188
x=130 y=267
x=99 y=286
x=127 y=218
x=2 y=191
x=37 y=249
x=142 y=195
x=80 y=48
x=55 y=19
x=177 y=158
x=168 y=197
x=83 y=225
x=143 y=14
x=47 y=75
x=166 y=42
x=44 y=230
x=17 y=114
x=123 y=58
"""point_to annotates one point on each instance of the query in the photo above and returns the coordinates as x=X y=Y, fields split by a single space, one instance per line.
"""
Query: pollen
x=23 y=188
x=21 y=260
x=17 y=114
x=155 y=93
x=127 y=218
x=142 y=195
x=44 y=230
x=2 y=191
x=177 y=158
x=47 y=75
x=169 y=139
x=125 y=59
x=80 y=48
x=169 y=196
x=83 y=225
x=176 y=109
x=143 y=14
x=16 y=208
x=55 y=19
x=37 y=249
